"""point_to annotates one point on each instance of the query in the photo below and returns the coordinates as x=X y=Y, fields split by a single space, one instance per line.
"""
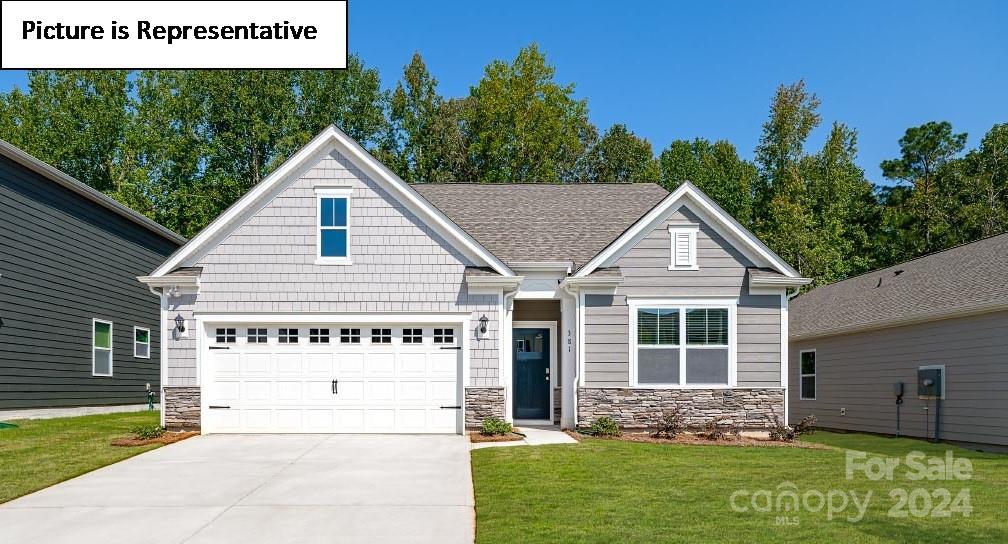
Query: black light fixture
x=483 y=324
x=179 y=324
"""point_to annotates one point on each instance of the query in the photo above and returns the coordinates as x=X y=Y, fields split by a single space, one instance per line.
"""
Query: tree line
x=181 y=146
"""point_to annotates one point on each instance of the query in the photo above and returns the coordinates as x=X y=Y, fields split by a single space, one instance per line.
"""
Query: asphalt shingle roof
x=543 y=222
x=970 y=277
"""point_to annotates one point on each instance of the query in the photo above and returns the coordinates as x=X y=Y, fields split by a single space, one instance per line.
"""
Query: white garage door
x=331 y=378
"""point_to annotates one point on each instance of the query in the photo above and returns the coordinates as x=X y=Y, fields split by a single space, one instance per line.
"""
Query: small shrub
x=148 y=432
x=782 y=433
x=719 y=428
x=671 y=423
x=605 y=426
x=493 y=426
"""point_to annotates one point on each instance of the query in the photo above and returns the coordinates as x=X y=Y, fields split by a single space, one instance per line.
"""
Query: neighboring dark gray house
x=334 y=297
x=77 y=328
x=942 y=317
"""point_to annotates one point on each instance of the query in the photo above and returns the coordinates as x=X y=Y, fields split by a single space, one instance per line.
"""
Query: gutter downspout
x=566 y=286
x=792 y=295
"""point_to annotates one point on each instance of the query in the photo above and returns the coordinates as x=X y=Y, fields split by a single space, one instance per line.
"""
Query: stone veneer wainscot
x=481 y=403
x=182 y=408
x=634 y=408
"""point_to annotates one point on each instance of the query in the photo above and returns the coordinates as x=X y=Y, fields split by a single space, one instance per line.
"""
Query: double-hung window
x=808 y=375
x=333 y=225
x=141 y=343
x=101 y=348
x=683 y=344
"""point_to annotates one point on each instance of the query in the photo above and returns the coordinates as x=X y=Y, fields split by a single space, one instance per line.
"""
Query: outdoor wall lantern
x=179 y=324
x=483 y=325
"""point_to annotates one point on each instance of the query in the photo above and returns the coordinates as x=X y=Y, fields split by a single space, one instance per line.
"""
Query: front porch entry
x=532 y=380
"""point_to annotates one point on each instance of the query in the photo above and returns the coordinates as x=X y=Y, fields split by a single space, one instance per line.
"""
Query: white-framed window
x=444 y=336
x=287 y=336
x=349 y=336
x=807 y=363
x=318 y=336
x=101 y=347
x=683 y=239
x=412 y=336
x=381 y=336
x=226 y=335
x=333 y=239
x=682 y=343
x=141 y=343
x=256 y=336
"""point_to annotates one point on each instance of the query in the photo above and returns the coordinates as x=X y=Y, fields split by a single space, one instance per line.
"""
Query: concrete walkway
x=534 y=436
x=262 y=488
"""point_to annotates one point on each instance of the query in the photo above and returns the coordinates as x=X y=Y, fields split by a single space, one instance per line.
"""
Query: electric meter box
x=930 y=383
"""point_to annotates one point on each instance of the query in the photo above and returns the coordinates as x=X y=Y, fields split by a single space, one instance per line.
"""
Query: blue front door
x=531 y=373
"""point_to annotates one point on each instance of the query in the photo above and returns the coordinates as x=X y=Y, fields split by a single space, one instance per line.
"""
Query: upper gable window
x=683 y=240
x=333 y=225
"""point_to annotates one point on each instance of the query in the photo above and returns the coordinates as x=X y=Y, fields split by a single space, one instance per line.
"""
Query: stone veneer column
x=481 y=403
x=639 y=408
x=182 y=408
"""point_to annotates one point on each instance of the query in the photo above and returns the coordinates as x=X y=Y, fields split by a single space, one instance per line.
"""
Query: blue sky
x=708 y=69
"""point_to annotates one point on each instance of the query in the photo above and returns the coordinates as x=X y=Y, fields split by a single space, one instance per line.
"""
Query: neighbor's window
x=141 y=343
x=412 y=336
x=381 y=336
x=444 y=336
x=684 y=247
x=256 y=336
x=101 y=348
x=318 y=336
x=808 y=375
x=680 y=345
x=226 y=336
x=333 y=242
x=287 y=336
x=349 y=336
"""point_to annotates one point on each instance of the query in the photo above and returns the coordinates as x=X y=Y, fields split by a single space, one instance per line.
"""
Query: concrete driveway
x=262 y=488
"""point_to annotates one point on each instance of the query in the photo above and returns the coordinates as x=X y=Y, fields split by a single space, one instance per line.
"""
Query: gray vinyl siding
x=857 y=372
x=63 y=261
x=267 y=265
x=722 y=272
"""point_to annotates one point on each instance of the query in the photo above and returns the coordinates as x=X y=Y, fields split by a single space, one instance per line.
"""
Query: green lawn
x=613 y=491
x=42 y=452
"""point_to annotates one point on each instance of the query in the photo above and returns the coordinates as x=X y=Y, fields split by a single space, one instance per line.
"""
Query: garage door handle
x=219 y=347
x=218 y=407
x=451 y=347
x=335 y=387
x=451 y=407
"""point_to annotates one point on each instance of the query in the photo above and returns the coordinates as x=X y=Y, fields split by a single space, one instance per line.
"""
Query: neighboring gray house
x=334 y=297
x=76 y=329
x=852 y=341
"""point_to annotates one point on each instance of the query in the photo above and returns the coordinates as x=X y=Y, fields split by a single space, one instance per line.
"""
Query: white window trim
x=801 y=376
x=691 y=231
x=332 y=192
x=682 y=303
x=135 y=343
x=110 y=348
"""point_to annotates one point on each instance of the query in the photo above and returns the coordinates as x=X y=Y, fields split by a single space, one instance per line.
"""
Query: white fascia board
x=329 y=139
x=722 y=222
x=491 y=285
x=169 y=281
x=575 y=282
x=563 y=267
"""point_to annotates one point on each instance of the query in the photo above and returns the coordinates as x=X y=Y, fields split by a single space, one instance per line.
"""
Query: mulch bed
x=166 y=438
x=694 y=440
x=476 y=437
